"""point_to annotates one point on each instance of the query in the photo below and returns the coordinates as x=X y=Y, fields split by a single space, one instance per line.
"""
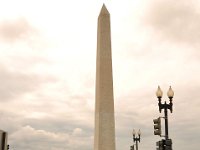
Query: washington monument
x=104 y=138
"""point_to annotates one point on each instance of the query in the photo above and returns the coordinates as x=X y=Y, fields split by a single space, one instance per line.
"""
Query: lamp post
x=136 y=138
x=165 y=106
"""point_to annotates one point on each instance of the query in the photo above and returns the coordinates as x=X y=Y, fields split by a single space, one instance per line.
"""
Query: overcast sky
x=47 y=71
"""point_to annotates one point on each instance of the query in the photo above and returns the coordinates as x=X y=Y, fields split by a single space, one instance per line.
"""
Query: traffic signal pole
x=136 y=145
x=165 y=106
x=166 y=123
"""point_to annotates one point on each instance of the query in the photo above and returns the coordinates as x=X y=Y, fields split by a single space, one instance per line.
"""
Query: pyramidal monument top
x=104 y=10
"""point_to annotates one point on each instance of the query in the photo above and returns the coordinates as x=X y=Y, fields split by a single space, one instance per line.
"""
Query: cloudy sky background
x=47 y=71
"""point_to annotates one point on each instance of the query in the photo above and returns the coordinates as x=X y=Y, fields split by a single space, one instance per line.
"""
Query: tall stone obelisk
x=104 y=105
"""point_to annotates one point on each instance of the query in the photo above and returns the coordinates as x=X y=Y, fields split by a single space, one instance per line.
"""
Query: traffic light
x=168 y=144
x=160 y=145
x=164 y=144
x=132 y=147
x=157 y=126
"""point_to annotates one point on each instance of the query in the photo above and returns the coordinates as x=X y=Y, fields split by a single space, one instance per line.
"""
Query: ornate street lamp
x=165 y=106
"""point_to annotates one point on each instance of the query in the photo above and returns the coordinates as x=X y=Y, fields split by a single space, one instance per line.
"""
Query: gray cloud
x=10 y=122
x=40 y=138
x=16 y=83
x=174 y=20
x=54 y=130
x=13 y=30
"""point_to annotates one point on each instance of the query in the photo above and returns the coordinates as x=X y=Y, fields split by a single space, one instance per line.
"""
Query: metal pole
x=136 y=144
x=166 y=121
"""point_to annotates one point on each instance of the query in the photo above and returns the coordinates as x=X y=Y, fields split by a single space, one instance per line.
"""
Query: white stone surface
x=104 y=105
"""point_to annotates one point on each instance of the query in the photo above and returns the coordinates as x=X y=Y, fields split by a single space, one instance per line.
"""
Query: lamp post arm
x=159 y=104
x=171 y=104
x=133 y=138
